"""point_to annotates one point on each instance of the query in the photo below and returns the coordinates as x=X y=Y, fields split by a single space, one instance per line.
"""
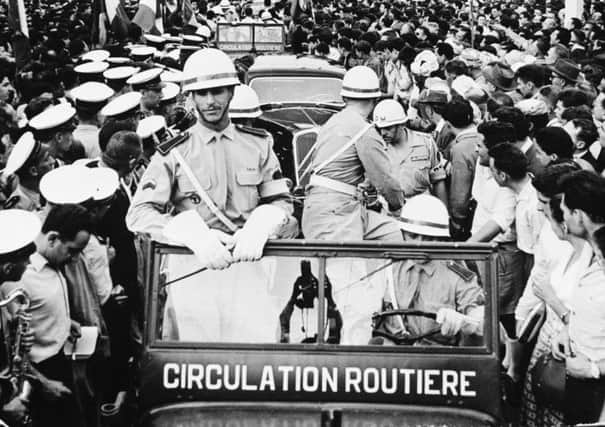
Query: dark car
x=297 y=95
x=302 y=374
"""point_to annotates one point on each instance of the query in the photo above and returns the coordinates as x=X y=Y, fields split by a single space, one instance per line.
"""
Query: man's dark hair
x=532 y=73
x=585 y=191
x=555 y=140
x=573 y=98
x=446 y=50
x=363 y=46
x=396 y=44
x=599 y=238
x=111 y=127
x=496 y=132
x=579 y=112
x=510 y=160
x=68 y=220
x=515 y=117
x=588 y=131
x=345 y=43
x=563 y=36
x=548 y=183
x=456 y=67
x=459 y=113
x=498 y=100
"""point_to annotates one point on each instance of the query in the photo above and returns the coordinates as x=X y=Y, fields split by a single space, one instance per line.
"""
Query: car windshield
x=297 y=89
x=400 y=296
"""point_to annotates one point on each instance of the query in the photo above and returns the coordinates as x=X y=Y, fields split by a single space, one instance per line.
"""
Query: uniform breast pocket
x=247 y=188
x=421 y=165
x=187 y=196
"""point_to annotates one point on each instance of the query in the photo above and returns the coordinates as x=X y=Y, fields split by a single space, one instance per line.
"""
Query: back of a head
x=573 y=98
x=498 y=100
x=123 y=145
x=67 y=220
x=459 y=113
x=585 y=191
x=510 y=160
x=532 y=73
x=579 y=112
x=111 y=127
x=548 y=181
x=515 y=117
x=456 y=67
x=555 y=140
x=496 y=132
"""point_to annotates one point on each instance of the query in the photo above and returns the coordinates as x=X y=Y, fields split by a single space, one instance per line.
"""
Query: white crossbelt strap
x=203 y=195
x=339 y=151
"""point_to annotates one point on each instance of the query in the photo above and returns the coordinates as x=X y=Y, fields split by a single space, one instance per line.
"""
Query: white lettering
x=245 y=385
x=285 y=371
x=310 y=378
x=429 y=381
x=464 y=383
x=367 y=373
x=267 y=379
x=297 y=378
x=384 y=381
x=419 y=381
x=329 y=379
x=171 y=368
x=352 y=379
x=210 y=384
x=449 y=383
x=183 y=375
x=407 y=374
x=195 y=373
x=226 y=377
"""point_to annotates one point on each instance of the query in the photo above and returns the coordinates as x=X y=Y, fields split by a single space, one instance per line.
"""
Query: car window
x=412 y=298
x=297 y=89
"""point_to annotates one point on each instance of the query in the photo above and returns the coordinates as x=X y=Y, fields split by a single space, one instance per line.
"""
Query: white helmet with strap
x=388 y=113
x=209 y=68
x=360 y=82
x=426 y=215
x=245 y=103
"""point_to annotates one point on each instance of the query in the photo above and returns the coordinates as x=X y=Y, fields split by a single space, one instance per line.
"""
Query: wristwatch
x=595 y=372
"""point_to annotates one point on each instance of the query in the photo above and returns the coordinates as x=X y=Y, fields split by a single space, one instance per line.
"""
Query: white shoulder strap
x=203 y=195
x=340 y=150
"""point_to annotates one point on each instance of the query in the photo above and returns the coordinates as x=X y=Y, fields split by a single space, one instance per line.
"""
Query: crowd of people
x=477 y=123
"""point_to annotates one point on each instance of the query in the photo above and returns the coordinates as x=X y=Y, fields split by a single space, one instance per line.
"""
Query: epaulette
x=164 y=147
x=461 y=270
x=254 y=131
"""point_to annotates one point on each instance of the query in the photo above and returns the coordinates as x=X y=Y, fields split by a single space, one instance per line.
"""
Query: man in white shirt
x=494 y=221
x=65 y=233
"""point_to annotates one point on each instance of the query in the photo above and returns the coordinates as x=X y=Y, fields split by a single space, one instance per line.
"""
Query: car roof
x=277 y=63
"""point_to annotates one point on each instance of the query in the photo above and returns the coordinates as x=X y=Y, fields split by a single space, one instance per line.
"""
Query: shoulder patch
x=254 y=131
x=461 y=270
x=165 y=147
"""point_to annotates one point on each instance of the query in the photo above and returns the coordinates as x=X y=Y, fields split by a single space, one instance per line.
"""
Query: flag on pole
x=109 y=15
x=188 y=14
x=17 y=17
x=149 y=17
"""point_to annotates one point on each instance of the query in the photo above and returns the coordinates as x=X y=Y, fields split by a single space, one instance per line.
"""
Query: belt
x=332 y=184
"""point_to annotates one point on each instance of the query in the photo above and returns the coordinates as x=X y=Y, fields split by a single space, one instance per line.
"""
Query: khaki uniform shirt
x=25 y=199
x=229 y=165
x=416 y=163
x=429 y=287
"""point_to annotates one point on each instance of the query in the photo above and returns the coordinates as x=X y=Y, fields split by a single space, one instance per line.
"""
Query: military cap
x=157 y=42
x=53 y=118
x=123 y=105
x=203 y=31
x=18 y=229
x=117 y=61
x=107 y=182
x=97 y=55
x=169 y=92
x=433 y=96
x=191 y=40
x=143 y=53
x=152 y=130
x=172 y=76
x=186 y=51
x=91 y=71
x=172 y=39
x=148 y=79
x=68 y=184
x=120 y=74
x=25 y=149
x=91 y=96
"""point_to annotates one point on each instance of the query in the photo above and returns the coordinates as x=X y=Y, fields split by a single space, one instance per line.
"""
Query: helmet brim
x=424 y=230
x=210 y=84
x=360 y=95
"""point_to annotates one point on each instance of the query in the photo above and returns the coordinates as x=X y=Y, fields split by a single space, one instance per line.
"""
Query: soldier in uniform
x=414 y=155
x=350 y=151
x=149 y=84
x=124 y=107
x=447 y=288
x=217 y=176
x=54 y=127
x=29 y=161
x=18 y=229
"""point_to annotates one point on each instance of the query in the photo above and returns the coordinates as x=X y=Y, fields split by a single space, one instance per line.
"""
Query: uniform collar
x=209 y=135
x=428 y=268
x=37 y=261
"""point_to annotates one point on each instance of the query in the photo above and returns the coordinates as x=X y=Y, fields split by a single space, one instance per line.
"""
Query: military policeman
x=350 y=152
x=29 y=161
x=216 y=176
x=447 y=288
x=414 y=155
